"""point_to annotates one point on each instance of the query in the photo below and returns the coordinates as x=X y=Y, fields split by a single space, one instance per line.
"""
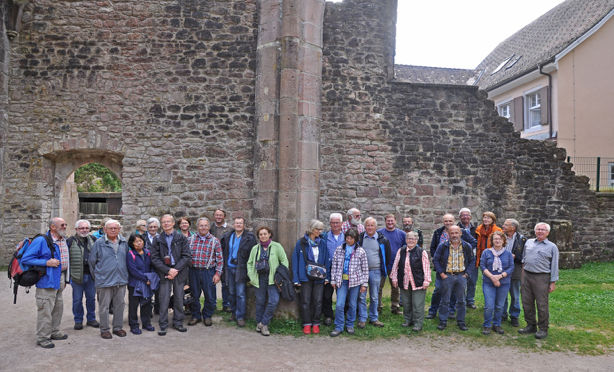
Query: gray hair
x=464 y=210
x=53 y=220
x=112 y=221
x=515 y=223
x=336 y=215
x=202 y=219
x=542 y=223
x=413 y=233
x=371 y=219
x=351 y=211
x=314 y=224
x=151 y=220
x=89 y=225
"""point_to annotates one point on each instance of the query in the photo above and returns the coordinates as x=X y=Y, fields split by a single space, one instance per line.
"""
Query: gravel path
x=229 y=348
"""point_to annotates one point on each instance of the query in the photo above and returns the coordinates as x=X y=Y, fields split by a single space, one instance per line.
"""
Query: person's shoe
x=259 y=327
x=46 y=344
x=227 y=309
x=181 y=328
x=486 y=331
x=208 y=322
x=498 y=329
x=93 y=324
x=59 y=336
x=241 y=323
x=335 y=333
x=417 y=329
x=541 y=334
x=395 y=310
x=78 y=326
x=514 y=321
x=405 y=324
x=471 y=306
x=162 y=332
x=350 y=331
x=119 y=332
x=462 y=326
x=149 y=328
x=307 y=329
x=441 y=326
x=503 y=317
x=527 y=330
x=135 y=331
x=328 y=321
x=106 y=335
x=361 y=325
x=315 y=329
x=193 y=321
x=265 y=331
x=376 y=323
x=430 y=316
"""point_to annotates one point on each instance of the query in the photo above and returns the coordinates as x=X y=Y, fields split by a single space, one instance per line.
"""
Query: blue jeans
x=89 y=289
x=375 y=277
x=266 y=308
x=343 y=293
x=453 y=284
x=226 y=300
x=494 y=298
x=237 y=294
x=472 y=271
x=436 y=297
x=201 y=280
x=514 y=300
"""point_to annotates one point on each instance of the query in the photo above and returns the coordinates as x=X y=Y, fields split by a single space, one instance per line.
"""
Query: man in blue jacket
x=49 y=288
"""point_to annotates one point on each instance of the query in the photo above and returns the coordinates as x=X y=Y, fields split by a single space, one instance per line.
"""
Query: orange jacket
x=484 y=240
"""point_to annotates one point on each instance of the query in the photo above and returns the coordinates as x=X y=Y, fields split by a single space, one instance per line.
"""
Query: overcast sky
x=459 y=33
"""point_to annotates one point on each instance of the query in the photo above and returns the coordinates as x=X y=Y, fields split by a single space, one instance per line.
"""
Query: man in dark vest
x=79 y=247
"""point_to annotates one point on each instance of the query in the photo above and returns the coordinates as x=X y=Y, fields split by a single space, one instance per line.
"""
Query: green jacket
x=75 y=254
x=277 y=255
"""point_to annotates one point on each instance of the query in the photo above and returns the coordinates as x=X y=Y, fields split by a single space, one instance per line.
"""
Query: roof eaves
x=583 y=37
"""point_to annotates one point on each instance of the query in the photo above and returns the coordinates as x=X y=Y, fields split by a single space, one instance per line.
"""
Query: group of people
x=350 y=258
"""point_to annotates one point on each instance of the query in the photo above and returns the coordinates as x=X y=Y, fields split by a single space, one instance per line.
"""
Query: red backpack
x=24 y=275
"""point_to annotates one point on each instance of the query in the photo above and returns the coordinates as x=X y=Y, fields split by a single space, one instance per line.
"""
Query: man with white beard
x=353 y=221
x=79 y=247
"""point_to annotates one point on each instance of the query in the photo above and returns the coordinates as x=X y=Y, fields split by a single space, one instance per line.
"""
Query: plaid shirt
x=347 y=225
x=63 y=252
x=456 y=260
x=358 y=269
x=203 y=251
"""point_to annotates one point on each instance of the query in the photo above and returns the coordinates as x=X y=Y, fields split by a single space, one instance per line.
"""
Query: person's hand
x=216 y=278
x=52 y=262
x=148 y=282
x=395 y=284
x=363 y=289
x=551 y=287
x=297 y=285
x=495 y=280
x=443 y=276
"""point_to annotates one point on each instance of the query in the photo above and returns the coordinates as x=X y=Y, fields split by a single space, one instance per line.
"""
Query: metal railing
x=599 y=170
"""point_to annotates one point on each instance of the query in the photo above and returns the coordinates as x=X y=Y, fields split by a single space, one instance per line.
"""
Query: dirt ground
x=228 y=348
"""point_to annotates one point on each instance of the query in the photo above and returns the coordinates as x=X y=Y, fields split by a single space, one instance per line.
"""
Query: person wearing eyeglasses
x=79 y=247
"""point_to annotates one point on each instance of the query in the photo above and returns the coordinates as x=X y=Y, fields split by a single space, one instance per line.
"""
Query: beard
x=82 y=234
x=355 y=221
x=407 y=228
x=62 y=233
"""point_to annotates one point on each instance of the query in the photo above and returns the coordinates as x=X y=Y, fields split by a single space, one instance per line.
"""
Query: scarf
x=266 y=244
x=496 y=264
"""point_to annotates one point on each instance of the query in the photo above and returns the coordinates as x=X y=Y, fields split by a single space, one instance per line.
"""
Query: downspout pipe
x=549 y=103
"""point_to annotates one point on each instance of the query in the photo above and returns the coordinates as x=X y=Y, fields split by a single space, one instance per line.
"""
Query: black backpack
x=284 y=284
x=26 y=276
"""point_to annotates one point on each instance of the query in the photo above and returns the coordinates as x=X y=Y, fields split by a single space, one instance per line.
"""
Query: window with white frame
x=533 y=110
x=611 y=175
x=505 y=110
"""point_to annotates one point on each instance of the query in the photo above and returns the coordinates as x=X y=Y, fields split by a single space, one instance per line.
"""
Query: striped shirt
x=63 y=252
x=456 y=259
x=206 y=252
x=347 y=225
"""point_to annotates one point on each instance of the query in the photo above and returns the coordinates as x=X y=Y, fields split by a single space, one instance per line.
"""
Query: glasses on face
x=63 y=225
x=411 y=239
x=112 y=228
x=83 y=228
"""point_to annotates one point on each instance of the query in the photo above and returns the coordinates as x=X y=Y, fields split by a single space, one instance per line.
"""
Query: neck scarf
x=266 y=244
x=497 y=265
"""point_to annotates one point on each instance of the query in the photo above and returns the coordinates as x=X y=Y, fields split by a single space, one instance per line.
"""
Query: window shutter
x=518 y=113
x=543 y=93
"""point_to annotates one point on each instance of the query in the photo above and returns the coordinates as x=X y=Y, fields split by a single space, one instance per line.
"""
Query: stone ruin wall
x=165 y=91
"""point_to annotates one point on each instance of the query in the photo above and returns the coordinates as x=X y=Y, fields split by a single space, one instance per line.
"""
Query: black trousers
x=327 y=301
x=311 y=302
x=133 y=306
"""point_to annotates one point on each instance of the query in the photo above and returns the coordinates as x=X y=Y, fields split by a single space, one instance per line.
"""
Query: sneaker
x=376 y=323
x=350 y=331
x=527 y=330
x=335 y=333
x=78 y=326
x=59 y=336
x=541 y=334
x=135 y=331
x=93 y=324
x=149 y=328
x=361 y=325
x=241 y=322
x=307 y=329
x=46 y=344
x=265 y=331
x=259 y=327
x=498 y=329
x=315 y=329
x=486 y=331
x=514 y=322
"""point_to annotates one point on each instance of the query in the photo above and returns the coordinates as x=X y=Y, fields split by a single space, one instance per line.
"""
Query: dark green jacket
x=75 y=252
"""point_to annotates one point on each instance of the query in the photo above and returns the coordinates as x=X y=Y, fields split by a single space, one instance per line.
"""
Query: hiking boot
x=361 y=325
x=93 y=324
x=259 y=327
x=208 y=322
x=265 y=331
x=541 y=334
x=498 y=329
x=307 y=329
x=442 y=326
x=315 y=329
x=527 y=330
x=78 y=326
x=46 y=344
x=241 y=322
x=376 y=323
x=486 y=331
x=59 y=336
x=193 y=321
x=514 y=321
x=335 y=333
x=180 y=328
x=350 y=331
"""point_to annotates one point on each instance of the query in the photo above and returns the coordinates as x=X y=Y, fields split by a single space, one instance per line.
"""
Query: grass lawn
x=581 y=317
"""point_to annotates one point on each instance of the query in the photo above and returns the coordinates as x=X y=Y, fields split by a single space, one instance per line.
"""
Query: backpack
x=284 y=284
x=23 y=275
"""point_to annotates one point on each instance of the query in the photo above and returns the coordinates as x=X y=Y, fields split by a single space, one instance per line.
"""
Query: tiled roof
x=541 y=40
x=432 y=75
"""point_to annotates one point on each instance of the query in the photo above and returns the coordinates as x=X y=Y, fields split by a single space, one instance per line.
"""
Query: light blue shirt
x=541 y=258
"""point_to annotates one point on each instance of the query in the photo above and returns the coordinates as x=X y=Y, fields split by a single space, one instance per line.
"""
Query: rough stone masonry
x=276 y=110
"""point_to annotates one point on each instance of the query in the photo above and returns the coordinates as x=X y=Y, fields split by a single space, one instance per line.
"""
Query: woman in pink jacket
x=411 y=272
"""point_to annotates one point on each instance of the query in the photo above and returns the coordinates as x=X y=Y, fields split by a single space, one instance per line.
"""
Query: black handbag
x=314 y=270
x=262 y=265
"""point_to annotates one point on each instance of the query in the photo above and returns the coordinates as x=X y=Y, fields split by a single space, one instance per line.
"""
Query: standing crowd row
x=350 y=258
